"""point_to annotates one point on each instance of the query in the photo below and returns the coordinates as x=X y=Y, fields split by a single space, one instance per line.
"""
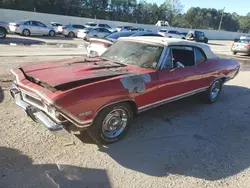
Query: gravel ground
x=183 y=144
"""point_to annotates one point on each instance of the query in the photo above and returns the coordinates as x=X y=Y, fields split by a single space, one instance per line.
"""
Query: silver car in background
x=30 y=27
x=57 y=26
x=93 y=32
x=241 y=46
x=4 y=29
x=71 y=30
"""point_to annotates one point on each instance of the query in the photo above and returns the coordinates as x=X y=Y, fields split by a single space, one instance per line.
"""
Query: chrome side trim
x=171 y=99
x=65 y=114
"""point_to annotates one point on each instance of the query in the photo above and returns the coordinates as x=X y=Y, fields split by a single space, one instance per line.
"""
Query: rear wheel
x=71 y=34
x=213 y=92
x=112 y=123
x=206 y=40
x=26 y=32
x=52 y=33
x=3 y=32
x=234 y=53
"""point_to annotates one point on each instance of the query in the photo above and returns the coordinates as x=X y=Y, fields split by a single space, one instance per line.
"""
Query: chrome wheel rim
x=26 y=32
x=115 y=123
x=52 y=33
x=215 y=89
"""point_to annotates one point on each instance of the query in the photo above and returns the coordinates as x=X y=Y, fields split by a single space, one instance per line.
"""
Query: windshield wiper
x=116 y=62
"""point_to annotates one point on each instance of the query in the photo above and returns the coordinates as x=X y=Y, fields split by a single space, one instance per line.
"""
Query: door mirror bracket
x=180 y=65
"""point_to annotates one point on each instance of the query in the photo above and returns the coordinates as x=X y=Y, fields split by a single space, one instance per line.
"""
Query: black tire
x=234 y=53
x=208 y=97
x=206 y=40
x=52 y=33
x=26 y=32
x=96 y=130
x=3 y=33
x=169 y=37
x=71 y=34
x=183 y=38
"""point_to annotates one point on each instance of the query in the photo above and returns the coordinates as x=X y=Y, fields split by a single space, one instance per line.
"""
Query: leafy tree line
x=136 y=12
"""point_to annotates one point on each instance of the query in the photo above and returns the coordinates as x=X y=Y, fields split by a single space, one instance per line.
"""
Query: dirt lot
x=184 y=144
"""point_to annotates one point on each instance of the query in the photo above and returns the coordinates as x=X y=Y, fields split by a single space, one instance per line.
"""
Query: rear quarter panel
x=214 y=69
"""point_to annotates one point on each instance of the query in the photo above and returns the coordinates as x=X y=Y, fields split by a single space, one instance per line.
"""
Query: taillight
x=248 y=46
x=15 y=25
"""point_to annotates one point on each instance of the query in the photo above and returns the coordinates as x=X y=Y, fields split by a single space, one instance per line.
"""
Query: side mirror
x=180 y=65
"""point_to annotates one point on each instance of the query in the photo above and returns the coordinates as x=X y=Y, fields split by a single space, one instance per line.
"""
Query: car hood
x=62 y=75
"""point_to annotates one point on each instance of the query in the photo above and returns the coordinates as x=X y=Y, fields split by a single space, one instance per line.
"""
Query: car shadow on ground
x=17 y=171
x=1 y=94
x=20 y=41
x=189 y=138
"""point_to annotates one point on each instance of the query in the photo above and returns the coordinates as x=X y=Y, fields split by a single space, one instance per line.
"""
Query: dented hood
x=60 y=74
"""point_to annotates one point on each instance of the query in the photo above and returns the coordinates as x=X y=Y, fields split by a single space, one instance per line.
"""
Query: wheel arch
x=131 y=102
x=4 y=29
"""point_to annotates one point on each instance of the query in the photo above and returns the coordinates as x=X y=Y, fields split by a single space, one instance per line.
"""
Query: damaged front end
x=38 y=111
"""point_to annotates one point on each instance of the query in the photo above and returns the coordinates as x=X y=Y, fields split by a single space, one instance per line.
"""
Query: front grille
x=38 y=103
x=35 y=101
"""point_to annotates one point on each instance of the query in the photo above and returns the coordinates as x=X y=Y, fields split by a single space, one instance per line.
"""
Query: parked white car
x=102 y=25
x=123 y=28
x=93 y=32
x=171 y=34
x=57 y=26
x=30 y=27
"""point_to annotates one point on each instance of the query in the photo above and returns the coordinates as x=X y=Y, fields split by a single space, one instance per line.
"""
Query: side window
x=102 y=25
x=33 y=23
x=104 y=30
x=40 y=24
x=172 y=32
x=78 y=26
x=184 y=55
x=27 y=23
x=199 y=56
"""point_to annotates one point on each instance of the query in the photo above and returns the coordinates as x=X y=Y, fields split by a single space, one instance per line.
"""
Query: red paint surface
x=93 y=96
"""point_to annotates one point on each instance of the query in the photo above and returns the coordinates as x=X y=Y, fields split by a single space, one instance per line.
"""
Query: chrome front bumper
x=35 y=113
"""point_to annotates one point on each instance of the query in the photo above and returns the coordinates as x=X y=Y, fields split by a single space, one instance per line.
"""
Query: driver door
x=176 y=81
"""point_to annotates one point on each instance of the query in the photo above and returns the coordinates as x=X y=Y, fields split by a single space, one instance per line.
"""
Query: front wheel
x=71 y=34
x=112 y=123
x=234 y=53
x=213 y=92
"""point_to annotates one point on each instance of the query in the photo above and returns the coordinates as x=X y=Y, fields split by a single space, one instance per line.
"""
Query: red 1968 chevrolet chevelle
x=103 y=94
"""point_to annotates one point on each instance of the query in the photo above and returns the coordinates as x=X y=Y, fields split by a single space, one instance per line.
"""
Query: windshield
x=134 y=53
